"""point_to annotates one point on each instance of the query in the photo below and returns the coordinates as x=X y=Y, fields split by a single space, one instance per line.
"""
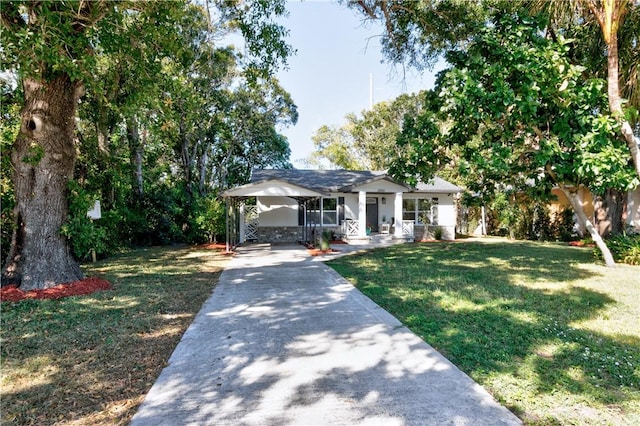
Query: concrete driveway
x=285 y=340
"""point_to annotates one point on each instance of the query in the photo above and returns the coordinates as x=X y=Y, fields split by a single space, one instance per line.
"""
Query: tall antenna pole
x=371 y=91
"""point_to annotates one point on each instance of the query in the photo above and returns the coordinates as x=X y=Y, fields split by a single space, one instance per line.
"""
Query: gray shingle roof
x=335 y=180
x=437 y=184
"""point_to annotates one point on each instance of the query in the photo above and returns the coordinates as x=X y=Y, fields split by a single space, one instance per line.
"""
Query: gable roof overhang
x=395 y=186
x=272 y=188
x=437 y=185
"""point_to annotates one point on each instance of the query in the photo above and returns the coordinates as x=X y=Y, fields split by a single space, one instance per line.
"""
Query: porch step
x=378 y=240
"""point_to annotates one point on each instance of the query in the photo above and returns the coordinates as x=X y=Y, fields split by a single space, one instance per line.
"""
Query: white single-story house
x=292 y=205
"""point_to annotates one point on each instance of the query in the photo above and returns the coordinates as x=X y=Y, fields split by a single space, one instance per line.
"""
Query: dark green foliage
x=625 y=248
x=521 y=218
x=9 y=124
x=564 y=225
x=210 y=219
x=169 y=118
x=325 y=239
x=83 y=232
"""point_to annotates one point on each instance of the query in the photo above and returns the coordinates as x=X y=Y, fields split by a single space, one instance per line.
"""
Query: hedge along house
x=293 y=205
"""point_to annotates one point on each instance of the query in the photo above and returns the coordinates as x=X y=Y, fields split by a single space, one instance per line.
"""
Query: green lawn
x=553 y=336
x=91 y=360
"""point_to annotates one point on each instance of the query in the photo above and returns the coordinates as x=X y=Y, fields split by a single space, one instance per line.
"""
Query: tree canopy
x=151 y=111
x=417 y=33
x=366 y=141
x=521 y=116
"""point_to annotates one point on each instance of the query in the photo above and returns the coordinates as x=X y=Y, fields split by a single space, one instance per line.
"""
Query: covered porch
x=243 y=218
x=377 y=207
x=353 y=214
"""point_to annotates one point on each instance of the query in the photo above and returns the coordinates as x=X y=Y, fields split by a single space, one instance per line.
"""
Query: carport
x=240 y=218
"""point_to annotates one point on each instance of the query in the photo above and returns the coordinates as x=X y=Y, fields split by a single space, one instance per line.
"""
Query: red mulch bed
x=581 y=244
x=218 y=246
x=12 y=293
x=214 y=246
x=318 y=252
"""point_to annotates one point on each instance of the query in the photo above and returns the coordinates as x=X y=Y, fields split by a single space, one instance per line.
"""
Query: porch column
x=226 y=225
x=241 y=224
x=362 y=214
x=397 y=211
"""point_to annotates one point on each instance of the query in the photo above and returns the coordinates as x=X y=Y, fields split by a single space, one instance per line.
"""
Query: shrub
x=564 y=225
x=209 y=220
x=437 y=233
x=625 y=248
x=84 y=235
x=324 y=240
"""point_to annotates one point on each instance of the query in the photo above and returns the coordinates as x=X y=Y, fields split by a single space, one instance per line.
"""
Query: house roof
x=325 y=181
x=439 y=185
x=273 y=187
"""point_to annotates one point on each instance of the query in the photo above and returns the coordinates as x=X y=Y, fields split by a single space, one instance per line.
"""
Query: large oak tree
x=52 y=46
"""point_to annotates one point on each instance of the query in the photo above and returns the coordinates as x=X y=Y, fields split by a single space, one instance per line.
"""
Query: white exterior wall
x=633 y=209
x=283 y=211
x=277 y=211
x=447 y=213
x=350 y=206
x=385 y=210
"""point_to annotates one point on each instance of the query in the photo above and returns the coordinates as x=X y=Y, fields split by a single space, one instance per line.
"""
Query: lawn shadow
x=470 y=301
x=293 y=343
x=91 y=359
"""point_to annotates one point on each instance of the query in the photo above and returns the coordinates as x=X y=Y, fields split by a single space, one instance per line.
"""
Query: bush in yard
x=84 y=234
x=522 y=218
x=625 y=248
x=324 y=240
x=437 y=232
x=564 y=225
x=210 y=219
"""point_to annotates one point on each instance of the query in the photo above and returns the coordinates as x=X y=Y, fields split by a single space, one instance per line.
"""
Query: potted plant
x=324 y=241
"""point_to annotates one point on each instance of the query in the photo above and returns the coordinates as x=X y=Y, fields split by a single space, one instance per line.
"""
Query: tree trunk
x=609 y=17
x=43 y=158
x=136 y=151
x=204 y=165
x=609 y=209
x=576 y=204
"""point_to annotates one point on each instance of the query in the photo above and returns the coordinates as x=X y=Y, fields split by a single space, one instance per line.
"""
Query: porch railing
x=350 y=228
x=407 y=228
x=251 y=221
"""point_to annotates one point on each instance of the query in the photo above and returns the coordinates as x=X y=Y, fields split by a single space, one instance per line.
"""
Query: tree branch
x=11 y=18
x=369 y=11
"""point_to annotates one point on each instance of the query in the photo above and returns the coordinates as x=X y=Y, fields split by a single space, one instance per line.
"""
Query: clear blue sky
x=329 y=76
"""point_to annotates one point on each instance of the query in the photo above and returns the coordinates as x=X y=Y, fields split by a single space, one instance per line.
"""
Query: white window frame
x=409 y=212
x=318 y=211
x=333 y=212
x=431 y=215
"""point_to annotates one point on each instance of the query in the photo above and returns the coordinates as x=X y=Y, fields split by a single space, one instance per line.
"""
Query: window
x=422 y=211
x=329 y=211
x=313 y=212
x=409 y=210
x=434 y=211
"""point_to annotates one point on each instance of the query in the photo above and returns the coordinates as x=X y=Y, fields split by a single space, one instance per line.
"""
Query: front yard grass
x=90 y=360
x=553 y=336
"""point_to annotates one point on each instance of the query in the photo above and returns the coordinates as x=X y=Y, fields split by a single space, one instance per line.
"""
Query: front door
x=372 y=213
